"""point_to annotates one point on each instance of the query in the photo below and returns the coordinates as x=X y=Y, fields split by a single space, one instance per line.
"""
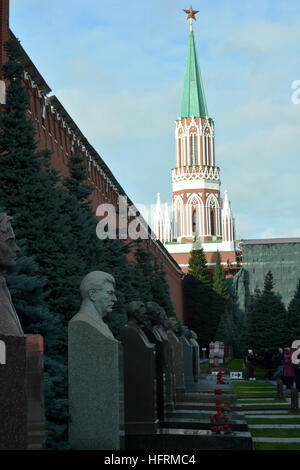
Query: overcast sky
x=118 y=69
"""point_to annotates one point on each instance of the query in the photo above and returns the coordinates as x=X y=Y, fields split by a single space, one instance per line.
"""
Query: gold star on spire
x=191 y=16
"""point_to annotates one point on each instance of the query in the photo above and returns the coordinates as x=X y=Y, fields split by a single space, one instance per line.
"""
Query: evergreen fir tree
x=221 y=298
x=229 y=332
x=198 y=299
x=59 y=232
x=144 y=271
x=219 y=281
x=198 y=266
x=294 y=316
x=161 y=290
x=267 y=319
x=76 y=182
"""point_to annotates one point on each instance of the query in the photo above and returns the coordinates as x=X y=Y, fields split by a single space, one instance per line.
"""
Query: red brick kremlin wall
x=57 y=131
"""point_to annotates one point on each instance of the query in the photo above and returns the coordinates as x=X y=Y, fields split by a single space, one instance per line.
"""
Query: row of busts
x=150 y=314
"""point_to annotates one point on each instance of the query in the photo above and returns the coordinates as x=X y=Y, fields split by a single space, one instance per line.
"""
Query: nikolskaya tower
x=198 y=212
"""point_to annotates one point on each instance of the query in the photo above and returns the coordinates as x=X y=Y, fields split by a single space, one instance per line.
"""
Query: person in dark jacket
x=278 y=363
x=250 y=362
x=296 y=363
x=288 y=368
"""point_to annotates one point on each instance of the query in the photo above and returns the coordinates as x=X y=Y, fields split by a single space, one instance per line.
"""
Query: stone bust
x=193 y=335
x=171 y=324
x=155 y=313
x=186 y=332
x=136 y=313
x=98 y=297
x=9 y=321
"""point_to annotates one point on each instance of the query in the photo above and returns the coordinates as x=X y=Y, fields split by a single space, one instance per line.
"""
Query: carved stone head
x=8 y=246
x=136 y=312
x=155 y=313
x=98 y=291
x=171 y=324
x=186 y=332
x=193 y=334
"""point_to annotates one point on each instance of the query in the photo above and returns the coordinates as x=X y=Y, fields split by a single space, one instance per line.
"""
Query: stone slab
x=204 y=397
x=203 y=406
x=189 y=439
x=194 y=423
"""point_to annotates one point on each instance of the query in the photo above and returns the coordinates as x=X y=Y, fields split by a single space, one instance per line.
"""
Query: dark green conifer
x=294 y=316
x=267 y=319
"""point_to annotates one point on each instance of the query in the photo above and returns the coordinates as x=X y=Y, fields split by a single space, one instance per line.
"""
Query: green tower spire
x=193 y=99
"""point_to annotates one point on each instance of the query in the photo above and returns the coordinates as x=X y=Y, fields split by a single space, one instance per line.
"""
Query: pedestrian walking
x=250 y=363
x=278 y=362
x=288 y=368
x=296 y=363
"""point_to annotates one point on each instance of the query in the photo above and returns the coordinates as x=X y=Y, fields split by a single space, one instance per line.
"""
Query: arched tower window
x=207 y=149
x=181 y=150
x=212 y=222
x=178 y=217
x=193 y=149
x=195 y=221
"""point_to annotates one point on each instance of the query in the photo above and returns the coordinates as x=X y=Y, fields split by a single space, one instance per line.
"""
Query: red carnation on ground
x=216 y=429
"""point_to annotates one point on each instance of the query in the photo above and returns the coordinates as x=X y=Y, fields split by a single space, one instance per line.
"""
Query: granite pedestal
x=139 y=382
x=22 y=410
x=94 y=394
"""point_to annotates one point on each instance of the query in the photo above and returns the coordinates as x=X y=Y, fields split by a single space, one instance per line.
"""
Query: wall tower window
x=193 y=149
x=207 y=150
x=194 y=221
x=212 y=222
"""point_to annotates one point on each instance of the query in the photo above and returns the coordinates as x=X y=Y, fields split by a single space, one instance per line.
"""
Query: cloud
x=264 y=37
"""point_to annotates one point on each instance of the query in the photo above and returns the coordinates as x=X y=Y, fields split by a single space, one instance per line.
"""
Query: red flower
x=218 y=402
x=216 y=429
x=218 y=391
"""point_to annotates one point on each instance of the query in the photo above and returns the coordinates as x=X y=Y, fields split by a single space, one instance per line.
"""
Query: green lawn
x=204 y=365
x=279 y=420
x=275 y=432
x=280 y=400
x=267 y=407
x=255 y=384
x=235 y=365
x=269 y=394
x=275 y=446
